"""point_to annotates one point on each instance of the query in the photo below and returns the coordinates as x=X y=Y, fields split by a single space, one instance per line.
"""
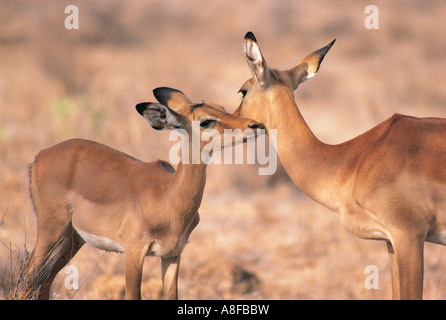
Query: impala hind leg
x=406 y=263
x=48 y=257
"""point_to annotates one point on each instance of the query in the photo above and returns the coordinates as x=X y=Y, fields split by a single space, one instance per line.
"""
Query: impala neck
x=315 y=167
x=189 y=181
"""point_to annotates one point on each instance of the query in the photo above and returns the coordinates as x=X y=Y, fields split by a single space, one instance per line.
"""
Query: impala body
x=86 y=192
x=387 y=184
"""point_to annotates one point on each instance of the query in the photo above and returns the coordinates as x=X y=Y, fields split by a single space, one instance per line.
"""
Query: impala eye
x=206 y=123
x=243 y=92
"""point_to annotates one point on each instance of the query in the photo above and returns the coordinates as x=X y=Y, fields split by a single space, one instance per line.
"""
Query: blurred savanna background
x=259 y=237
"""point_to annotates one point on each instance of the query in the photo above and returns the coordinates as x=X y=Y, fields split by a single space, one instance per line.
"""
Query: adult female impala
x=83 y=191
x=386 y=184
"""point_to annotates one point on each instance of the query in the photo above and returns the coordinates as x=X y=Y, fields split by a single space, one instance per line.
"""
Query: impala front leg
x=170 y=268
x=134 y=259
x=406 y=264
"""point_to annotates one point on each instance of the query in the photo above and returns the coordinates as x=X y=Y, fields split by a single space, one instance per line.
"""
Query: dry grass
x=259 y=237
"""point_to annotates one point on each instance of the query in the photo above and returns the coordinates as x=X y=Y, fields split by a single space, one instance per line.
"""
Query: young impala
x=83 y=191
x=387 y=184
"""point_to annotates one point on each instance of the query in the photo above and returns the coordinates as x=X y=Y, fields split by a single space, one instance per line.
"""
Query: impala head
x=208 y=120
x=268 y=85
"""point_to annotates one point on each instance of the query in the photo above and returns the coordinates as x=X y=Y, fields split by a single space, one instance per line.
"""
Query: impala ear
x=160 y=117
x=309 y=66
x=172 y=98
x=255 y=59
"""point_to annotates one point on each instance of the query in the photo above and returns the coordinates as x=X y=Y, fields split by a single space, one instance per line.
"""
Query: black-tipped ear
x=255 y=59
x=159 y=116
x=173 y=98
x=164 y=94
x=250 y=36
x=325 y=49
x=140 y=107
x=309 y=66
x=320 y=54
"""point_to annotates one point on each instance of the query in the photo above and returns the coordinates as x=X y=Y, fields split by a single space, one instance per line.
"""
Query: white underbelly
x=101 y=242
